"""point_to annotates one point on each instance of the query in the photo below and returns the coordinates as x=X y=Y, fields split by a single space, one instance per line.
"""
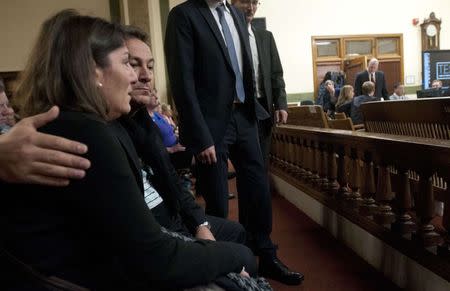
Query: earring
x=100 y=84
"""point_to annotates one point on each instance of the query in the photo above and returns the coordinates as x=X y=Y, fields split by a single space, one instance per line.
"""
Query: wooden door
x=392 y=69
x=353 y=66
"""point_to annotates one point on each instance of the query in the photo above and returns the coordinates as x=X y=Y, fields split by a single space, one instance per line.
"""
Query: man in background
x=436 y=84
x=399 y=92
x=368 y=91
x=373 y=75
x=269 y=82
x=210 y=70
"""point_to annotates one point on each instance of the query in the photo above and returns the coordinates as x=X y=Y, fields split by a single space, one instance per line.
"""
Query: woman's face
x=154 y=100
x=115 y=80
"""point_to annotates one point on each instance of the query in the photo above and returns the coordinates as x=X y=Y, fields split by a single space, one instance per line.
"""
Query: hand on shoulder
x=29 y=156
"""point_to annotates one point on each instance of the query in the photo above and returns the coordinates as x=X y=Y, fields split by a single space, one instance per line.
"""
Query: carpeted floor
x=306 y=247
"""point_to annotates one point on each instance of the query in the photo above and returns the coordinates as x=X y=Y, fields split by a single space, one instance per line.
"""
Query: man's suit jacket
x=270 y=71
x=147 y=140
x=98 y=232
x=201 y=75
x=380 y=84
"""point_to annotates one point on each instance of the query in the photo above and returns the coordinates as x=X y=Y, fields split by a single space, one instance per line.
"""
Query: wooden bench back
x=428 y=117
x=307 y=115
x=345 y=124
x=340 y=115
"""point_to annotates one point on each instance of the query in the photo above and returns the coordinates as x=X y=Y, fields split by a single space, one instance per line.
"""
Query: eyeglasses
x=251 y=2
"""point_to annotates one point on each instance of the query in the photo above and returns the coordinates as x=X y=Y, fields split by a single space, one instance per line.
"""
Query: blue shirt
x=168 y=136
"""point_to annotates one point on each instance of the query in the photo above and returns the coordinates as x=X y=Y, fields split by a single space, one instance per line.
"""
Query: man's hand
x=204 y=232
x=208 y=156
x=244 y=273
x=281 y=116
x=176 y=148
x=28 y=156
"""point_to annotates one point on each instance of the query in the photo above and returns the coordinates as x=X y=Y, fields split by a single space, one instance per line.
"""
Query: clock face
x=431 y=30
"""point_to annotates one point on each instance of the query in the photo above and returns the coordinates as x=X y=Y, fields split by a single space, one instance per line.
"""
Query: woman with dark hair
x=326 y=97
x=98 y=232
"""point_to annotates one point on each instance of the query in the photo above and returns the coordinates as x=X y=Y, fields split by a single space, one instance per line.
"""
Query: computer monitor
x=435 y=66
x=434 y=92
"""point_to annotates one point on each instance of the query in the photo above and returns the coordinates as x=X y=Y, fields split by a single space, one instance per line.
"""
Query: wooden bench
x=340 y=115
x=428 y=117
x=345 y=124
x=307 y=115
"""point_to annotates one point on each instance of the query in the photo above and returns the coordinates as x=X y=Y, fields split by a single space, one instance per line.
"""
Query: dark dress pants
x=241 y=145
x=265 y=137
x=222 y=229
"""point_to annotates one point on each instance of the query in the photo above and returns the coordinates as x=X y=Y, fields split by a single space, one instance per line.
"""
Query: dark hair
x=135 y=32
x=2 y=86
x=368 y=87
x=397 y=84
x=326 y=77
x=61 y=66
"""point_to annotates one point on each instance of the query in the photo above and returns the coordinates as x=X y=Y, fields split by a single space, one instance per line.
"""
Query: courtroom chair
x=23 y=273
x=345 y=124
x=306 y=102
x=307 y=115
x=340 y=115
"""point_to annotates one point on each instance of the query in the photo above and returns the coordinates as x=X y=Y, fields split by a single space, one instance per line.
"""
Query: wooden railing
x=387 y=184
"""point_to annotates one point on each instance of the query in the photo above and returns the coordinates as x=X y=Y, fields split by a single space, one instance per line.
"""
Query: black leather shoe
x=276 y=270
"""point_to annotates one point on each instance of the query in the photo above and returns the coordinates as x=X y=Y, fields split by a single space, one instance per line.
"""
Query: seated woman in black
x=344 y=103
x=97 y=232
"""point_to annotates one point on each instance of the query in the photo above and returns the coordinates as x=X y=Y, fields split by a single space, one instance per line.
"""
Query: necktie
x=373 y=77
x=232 y=53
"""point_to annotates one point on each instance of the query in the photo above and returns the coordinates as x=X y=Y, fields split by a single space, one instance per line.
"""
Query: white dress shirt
x=151 y=196
x=213 y=4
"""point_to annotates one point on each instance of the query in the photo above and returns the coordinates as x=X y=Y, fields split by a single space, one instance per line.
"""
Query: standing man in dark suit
x=269 y=82
x=210 y=71
x=372 y=74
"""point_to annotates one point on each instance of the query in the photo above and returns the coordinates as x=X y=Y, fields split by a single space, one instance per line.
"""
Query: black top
x=98 y=232
x=356 y=114
x=148 y=143
x=345 y=107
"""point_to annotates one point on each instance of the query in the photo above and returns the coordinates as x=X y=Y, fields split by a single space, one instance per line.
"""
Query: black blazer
x=147 y=140
x=270 y=71
x=380 y=85
x=98 y=232
x=201 y=75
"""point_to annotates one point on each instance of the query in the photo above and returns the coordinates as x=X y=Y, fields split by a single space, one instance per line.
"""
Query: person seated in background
x=399 y=92
x=326 y=97
x=167 y=112
x=7 y=119
x=98 y=231
x=436 y=84
x=344 y=102
x=368 y=90
x=169 y=138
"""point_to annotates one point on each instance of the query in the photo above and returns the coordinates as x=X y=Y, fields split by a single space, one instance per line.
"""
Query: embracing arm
x=28 y=156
